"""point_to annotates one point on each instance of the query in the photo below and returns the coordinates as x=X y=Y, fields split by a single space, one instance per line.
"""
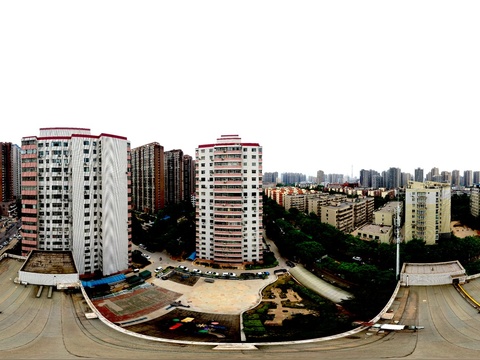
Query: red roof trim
x=89 y=136
x=64 y=128
x=223 y=144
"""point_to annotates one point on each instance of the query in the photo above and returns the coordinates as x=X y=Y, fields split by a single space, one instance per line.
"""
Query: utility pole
x=398 y=226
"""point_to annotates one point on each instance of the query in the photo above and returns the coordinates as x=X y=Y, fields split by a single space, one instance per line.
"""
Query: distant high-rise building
x=293 y=178
x=446 y=177
x=174 y=177
x=394 y=178
x=456 y=180
x=377 y=181
x=336 y=178
x=270 y=177
x=366 y=178
x=17 y=171
x=419 y=175
x=148 y=178
x=468 y=178
x=476 y=177
x=406 y=177
x=229 y=201
x=6 y=172
x=427 y=211
x=433 y=175
x=76 y=196
x=188 y=179
x=320 y=176
x=8 y=177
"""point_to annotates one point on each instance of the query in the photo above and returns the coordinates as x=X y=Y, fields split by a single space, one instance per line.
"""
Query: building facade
x=475 y=201
x=418 y=176
x=456 y=179
x=468 y=178
x=76 y=196
x=148 y=178
x=174 y=177
x=427 y=211
x=9 y=191
x=189 y=179
x=229 y=207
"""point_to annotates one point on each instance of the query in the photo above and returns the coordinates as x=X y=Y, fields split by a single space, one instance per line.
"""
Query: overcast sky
x=337 y=86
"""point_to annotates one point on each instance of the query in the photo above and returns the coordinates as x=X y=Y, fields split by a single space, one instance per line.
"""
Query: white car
x=184 y=268
x=146 y=256
x=197 y=271
x=158 y=269
x=212 y=273
x=229 y=274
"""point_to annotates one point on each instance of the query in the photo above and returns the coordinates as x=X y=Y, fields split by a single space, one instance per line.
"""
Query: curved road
x=56 y=328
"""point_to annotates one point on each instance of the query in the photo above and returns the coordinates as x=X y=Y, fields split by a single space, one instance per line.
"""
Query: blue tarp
x=108 y=280
x=193 y=256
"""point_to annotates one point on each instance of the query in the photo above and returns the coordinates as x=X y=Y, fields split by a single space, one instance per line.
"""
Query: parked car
x=197 y=271
x=146 y=256
x=158 y=269
x=182 y=267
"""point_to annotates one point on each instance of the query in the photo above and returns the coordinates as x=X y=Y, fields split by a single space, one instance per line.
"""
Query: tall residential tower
x=148 y=178
x=229 y=203
x=76 y=196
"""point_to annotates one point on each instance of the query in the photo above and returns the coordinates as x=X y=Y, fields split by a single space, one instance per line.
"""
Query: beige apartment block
x=475 y=201
x=373 y=232
x=295 y=201
x=339 y=215
x=427 y=211
x=386 y=214
x=363 y=210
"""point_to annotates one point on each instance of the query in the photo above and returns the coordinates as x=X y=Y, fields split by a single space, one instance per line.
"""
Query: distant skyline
x=332 y=86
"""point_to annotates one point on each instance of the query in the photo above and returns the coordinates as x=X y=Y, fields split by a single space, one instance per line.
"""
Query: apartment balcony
x=228 y=257
x=228 y=248
x=221 y=151
x=228 y=229
x=229 y=204
x=219 y=198
x=227 y=213
x=238 y=182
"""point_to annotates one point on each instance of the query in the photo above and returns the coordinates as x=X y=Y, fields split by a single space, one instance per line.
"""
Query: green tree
x=309 y=251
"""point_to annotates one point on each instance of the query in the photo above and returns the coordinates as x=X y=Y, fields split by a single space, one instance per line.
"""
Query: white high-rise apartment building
x=76 y=196
x=427 y=211
x=229 y=205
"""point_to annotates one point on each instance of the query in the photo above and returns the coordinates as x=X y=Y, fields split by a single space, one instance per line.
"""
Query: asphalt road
x=56 y=328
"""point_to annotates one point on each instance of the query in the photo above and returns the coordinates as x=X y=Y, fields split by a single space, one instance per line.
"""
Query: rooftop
x=50 y=262
x=451 y=267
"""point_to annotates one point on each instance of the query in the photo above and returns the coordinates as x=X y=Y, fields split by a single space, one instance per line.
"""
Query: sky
x=337 y=86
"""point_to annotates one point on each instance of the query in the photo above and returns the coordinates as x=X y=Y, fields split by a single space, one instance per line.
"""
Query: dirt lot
x=461 y=231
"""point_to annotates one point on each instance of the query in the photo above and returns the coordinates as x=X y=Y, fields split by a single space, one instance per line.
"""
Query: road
x=56 y=328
